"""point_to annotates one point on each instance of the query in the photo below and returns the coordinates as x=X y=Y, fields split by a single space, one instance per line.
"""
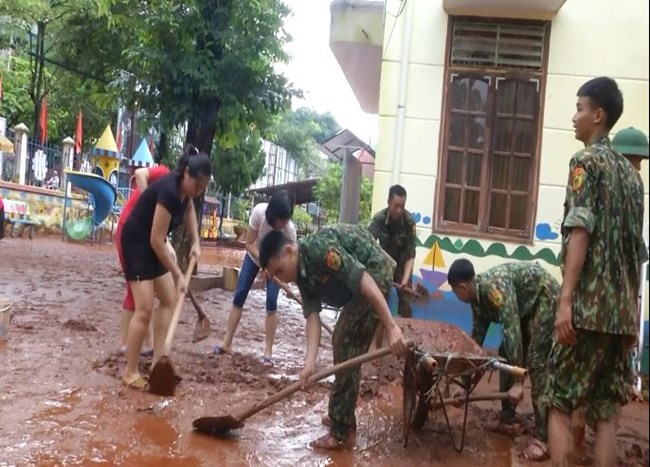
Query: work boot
x=327 y=421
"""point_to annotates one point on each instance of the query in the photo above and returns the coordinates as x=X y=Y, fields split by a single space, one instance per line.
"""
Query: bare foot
x=330 y=443
x=536 y=451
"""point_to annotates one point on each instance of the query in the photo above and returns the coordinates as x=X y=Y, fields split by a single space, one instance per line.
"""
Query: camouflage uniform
x=605 y=197
x=331 y=263
x=522 y=297
x=397 y=238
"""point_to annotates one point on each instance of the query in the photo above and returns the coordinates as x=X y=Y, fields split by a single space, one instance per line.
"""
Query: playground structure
x=104 y=200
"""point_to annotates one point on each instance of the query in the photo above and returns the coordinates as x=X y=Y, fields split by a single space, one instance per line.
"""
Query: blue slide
x=104 y=193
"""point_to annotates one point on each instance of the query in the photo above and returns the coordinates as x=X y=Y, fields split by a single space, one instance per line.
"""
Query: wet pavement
x=61 y=401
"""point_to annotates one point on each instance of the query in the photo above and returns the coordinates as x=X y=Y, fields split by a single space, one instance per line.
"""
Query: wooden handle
x=494 y=396
x=179 y=306
x=195 y=302
x=297 y=299
x=513 y=370
x=289 y=390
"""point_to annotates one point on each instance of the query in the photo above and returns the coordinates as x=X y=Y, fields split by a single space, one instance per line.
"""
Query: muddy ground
x=61 y=401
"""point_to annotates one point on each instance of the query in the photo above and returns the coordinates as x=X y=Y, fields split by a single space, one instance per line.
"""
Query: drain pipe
x=401 y=100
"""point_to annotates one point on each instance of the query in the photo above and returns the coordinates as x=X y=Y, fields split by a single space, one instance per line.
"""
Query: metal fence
x=43 y=160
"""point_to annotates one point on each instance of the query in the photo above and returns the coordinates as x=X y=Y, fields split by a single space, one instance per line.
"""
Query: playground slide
x=104 y=193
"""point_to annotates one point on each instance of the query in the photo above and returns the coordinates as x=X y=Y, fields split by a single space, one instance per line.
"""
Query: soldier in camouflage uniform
x=342 y=266
x=633 y=145
x=522 y=297
x=394 y=228
x=600 y=257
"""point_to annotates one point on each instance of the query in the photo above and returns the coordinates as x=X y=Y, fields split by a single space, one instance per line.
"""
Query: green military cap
x=632 y=142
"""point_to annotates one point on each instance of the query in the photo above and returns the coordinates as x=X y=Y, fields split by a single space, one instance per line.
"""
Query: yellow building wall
x=588 y=38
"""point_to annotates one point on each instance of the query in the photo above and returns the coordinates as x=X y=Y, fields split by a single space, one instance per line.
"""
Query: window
x=489 y=163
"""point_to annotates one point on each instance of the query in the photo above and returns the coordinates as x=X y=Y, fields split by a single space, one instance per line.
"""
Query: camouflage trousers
x=537 y=341
x=352 y=336
x=594 y=373
x=404 y=307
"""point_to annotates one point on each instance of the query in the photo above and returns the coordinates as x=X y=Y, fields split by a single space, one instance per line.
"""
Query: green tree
x=299 y=132
x=207 y=65
x=302 y=219
x=328 y=194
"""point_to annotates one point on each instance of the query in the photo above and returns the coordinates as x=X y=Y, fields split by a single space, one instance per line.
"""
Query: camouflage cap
x=631 y=142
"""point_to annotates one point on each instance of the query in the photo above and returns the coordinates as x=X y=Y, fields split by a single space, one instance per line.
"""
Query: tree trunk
x=200 y=133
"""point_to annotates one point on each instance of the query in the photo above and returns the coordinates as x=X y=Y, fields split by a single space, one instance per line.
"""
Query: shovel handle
x=513 y=370
x=289 y=390
x=179 y=306
x=494 y=396
x=297 y=299
x=195 y=302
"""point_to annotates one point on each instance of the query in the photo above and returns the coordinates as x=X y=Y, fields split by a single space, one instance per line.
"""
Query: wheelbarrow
x=426 y=377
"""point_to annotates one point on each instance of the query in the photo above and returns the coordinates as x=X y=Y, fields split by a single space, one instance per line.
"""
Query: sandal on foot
x=266 y=361
x=146 y=353
x=218 y=350
x=330 y=443
x=139 y=384
x=536 y=451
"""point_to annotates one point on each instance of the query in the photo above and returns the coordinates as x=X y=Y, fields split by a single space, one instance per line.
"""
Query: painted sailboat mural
x=444 y=306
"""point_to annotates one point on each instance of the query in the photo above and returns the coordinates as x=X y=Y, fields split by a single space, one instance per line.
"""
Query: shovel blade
x=217 y=425
x=201 y=330
x=163 y=379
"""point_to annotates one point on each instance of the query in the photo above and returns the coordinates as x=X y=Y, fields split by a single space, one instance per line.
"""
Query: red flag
x=78 y=134
x=2 y=93
x=42 y=121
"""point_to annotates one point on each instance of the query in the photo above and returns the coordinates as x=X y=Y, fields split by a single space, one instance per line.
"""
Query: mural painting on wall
x=47 y=210
x=444 y=306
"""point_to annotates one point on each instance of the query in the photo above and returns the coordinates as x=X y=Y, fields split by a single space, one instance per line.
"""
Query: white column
x=20 y=148
x=67 y=157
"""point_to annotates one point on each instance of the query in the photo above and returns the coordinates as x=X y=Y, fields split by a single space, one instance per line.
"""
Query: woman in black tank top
x=148 y=264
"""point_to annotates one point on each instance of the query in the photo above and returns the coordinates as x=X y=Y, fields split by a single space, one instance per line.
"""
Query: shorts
x=129 y=302
x=140 y=261
x=592 y=373
x=247 y=275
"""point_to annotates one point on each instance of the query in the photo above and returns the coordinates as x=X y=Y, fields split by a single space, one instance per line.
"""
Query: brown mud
x=62 y=403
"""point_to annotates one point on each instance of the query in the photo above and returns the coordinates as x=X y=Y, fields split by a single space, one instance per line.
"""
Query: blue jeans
x=247 y=275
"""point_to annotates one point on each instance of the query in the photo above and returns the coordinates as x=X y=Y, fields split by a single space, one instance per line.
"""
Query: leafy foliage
x=299 y=132
x=302 y=219
x=328 y=194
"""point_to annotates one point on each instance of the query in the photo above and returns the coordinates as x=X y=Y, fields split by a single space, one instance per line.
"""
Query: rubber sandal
x=266 y=361
x=218 y=350
x=146 y=353
x=139 y=384
x=536 y=451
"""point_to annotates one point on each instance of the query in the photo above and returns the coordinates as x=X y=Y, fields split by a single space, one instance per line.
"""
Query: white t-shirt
x=258 y=222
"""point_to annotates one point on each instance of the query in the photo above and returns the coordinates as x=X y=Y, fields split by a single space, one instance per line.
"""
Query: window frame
x=482 y=230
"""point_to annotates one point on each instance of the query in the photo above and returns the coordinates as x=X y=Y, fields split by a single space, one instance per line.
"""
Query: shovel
x=163 y=379
x=224 y=424
x=297 y=299
x=419 y=295
x=202 y=326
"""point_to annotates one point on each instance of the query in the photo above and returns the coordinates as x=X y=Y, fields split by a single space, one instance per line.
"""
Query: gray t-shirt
x=258 y=222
